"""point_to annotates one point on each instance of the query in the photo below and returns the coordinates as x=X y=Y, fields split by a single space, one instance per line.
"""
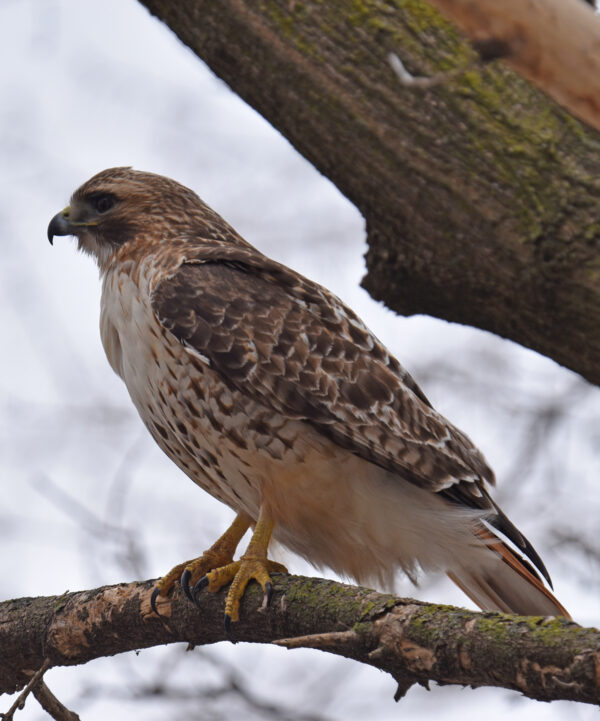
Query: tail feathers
x=505 y=582
x=500 y=521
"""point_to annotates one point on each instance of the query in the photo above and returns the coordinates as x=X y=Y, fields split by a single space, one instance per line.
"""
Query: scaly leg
x=254 y=564
x=220 y=553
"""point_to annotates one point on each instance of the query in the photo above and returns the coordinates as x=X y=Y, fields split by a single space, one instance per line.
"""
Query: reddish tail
x=506 y=582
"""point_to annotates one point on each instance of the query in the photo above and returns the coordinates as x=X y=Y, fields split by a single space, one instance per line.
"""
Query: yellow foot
x=219 y=554
x=189 y=572
x=240 y=573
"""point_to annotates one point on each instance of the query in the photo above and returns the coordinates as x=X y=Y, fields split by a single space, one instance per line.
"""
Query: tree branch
x=480 y=195
x=544 y=658
x=51 y=705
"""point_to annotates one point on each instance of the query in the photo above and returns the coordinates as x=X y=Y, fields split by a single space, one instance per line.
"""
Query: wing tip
x=504 y=525
x=511 y=585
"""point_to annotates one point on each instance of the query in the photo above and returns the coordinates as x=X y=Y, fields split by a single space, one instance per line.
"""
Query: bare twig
x=51 y=705
x=22 y=697
x=322 y=641
x=416 y=81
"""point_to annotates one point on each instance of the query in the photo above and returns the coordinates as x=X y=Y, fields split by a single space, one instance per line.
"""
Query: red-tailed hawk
x=269 y=393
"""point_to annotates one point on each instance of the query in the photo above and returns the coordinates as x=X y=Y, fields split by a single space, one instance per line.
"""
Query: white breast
x=177 y=396
x=127 y=328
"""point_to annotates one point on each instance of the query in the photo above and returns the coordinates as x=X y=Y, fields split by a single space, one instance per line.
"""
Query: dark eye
x=103 y=202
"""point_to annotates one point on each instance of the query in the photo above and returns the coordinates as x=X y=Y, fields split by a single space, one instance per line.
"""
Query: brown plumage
x=274 y=397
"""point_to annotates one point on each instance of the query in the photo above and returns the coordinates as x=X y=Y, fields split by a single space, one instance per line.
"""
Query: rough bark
x=543 y=658
x=480 y=195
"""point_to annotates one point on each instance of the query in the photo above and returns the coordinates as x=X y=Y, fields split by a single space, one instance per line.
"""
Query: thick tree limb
x=480 y=196
x=544 y=659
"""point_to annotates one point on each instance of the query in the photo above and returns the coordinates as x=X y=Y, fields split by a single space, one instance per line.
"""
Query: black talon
x=228 y=629
x=153 y=597
x=202 y=583
x=269 y=592
x=185 y=583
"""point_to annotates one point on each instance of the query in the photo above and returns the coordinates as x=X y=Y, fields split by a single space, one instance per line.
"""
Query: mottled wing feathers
x=297 y=349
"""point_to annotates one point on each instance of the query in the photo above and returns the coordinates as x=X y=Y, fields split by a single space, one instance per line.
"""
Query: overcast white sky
x=87 y=85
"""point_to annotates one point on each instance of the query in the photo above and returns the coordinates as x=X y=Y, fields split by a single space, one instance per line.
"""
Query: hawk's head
x=119 y=204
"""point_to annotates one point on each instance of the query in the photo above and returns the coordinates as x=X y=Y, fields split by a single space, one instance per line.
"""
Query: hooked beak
x=60 y=225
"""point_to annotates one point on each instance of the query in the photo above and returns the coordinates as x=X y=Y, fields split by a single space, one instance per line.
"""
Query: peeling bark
x=480 y=195
x=554 y=44
x=543 y=658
